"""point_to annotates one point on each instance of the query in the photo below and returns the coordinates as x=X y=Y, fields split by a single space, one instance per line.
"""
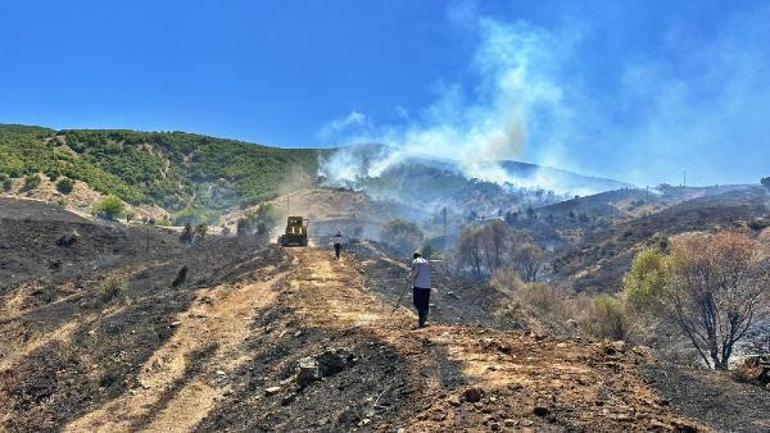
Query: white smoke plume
x=566 y=97
x=517 y=90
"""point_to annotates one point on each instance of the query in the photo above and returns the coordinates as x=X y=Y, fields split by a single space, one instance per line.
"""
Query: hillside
x=598 y=258
x=395 y=174
x=205 y=176
x=173 y=170
x=566 y=182
x=257 y=338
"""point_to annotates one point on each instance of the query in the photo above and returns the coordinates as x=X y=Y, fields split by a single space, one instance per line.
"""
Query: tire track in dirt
x=177 y=385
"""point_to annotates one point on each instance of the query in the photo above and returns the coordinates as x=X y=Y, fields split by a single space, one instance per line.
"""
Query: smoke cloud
x=543 y=94
x=517 y=90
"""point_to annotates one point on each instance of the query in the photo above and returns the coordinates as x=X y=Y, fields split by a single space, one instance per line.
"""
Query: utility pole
x=612 y=216
x=684 y=179
x=446 y=241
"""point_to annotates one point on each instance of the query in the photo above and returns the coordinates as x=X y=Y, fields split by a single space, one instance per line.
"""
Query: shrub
x=65 y=186
x=758 y=224
x=606 y=318
x=52 y=175
x=545 y=298
x=766 y=182
x=110 y=208
x=31 y=182
x=113 y=287
x=6 y=182
x=181 y=278
x=659 y=243
x=201 y=230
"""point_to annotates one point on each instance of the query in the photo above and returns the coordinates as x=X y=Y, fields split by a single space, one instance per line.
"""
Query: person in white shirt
x=420 y=280
x=337 y=239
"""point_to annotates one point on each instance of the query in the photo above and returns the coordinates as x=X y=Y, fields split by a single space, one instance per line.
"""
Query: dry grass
x=113 y=288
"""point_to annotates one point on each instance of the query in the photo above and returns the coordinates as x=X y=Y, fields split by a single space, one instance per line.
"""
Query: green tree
x=711 y=286
x=645 y=283
x=31 y=182
x=110 y=208
x=65 y=186
x=766 y=182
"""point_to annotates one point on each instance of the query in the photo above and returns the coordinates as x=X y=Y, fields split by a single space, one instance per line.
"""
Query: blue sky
x=640 y=91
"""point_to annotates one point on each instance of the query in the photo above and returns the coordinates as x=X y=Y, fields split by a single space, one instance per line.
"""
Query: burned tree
x=188 y=234
x=529 y=260
x=405 y=236
x=712 y=287
x=193 y=235
x=494 y=246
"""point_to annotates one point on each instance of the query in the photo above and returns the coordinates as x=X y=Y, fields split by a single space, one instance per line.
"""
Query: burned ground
x=229 y=349
x=723 y=403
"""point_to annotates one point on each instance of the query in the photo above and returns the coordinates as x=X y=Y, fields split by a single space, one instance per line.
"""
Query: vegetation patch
x=113 y=288
x=31 y=182
x=65 y=186
x=174 y=170
x=110 y=208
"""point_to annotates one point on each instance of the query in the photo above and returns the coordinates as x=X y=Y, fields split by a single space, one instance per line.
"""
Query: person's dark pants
x=421 y=299
x=337 y=249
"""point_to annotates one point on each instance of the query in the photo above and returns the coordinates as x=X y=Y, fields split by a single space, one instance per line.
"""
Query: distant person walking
x=337 y=244
x=420 y=280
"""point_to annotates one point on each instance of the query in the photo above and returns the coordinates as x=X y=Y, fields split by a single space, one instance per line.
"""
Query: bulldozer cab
x=296 y=225
x=296 y=232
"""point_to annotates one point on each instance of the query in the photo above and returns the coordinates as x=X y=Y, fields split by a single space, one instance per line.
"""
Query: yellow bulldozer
x=296 y=232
